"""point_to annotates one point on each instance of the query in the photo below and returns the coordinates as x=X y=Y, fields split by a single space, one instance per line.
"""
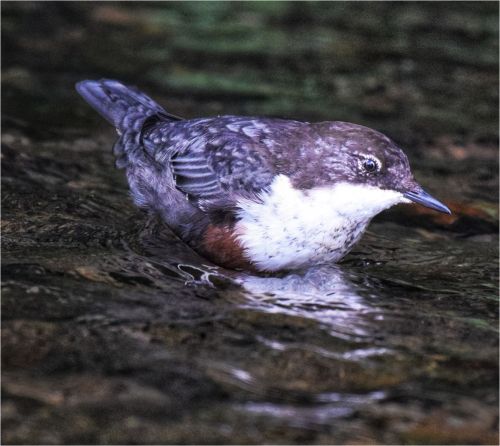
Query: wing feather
x=221 y=165
x=218 y=161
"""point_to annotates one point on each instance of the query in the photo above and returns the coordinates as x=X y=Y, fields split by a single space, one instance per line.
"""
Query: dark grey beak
x=420 y=196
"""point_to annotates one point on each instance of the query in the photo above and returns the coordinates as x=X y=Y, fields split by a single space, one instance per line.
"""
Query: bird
x=259 y=194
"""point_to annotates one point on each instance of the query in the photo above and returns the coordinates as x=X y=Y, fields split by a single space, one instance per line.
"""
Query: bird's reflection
x=328 y=294
x=312 y=283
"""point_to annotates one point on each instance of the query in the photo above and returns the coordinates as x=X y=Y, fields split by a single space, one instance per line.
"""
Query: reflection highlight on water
x=325 y=294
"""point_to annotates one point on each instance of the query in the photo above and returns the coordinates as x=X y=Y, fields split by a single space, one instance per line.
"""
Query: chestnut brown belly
x=221 y=246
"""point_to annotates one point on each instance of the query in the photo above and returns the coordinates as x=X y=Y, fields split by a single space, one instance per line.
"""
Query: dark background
x=413 y=70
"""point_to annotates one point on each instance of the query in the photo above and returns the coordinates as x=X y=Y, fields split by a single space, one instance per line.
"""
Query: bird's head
x=371 y=166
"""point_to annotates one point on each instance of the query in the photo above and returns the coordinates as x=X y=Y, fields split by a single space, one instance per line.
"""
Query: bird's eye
x=371 y=165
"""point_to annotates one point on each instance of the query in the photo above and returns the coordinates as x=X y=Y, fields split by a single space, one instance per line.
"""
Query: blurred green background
x=415 y=70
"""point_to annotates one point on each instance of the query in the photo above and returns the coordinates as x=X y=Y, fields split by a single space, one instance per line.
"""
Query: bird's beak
x=420 y=196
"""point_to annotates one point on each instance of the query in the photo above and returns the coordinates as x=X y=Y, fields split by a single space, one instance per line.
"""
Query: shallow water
x=115 y=332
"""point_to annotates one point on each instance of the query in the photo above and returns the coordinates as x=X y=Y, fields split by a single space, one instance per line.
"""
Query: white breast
x=291 y=228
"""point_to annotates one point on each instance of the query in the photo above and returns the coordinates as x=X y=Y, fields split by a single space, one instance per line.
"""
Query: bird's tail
x=120 y=105
x=127 y=109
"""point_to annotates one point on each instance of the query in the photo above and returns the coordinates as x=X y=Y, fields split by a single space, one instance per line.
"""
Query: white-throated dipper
x=255 y=193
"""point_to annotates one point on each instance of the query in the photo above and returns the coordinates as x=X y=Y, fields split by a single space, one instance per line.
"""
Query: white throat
x=290 y=228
